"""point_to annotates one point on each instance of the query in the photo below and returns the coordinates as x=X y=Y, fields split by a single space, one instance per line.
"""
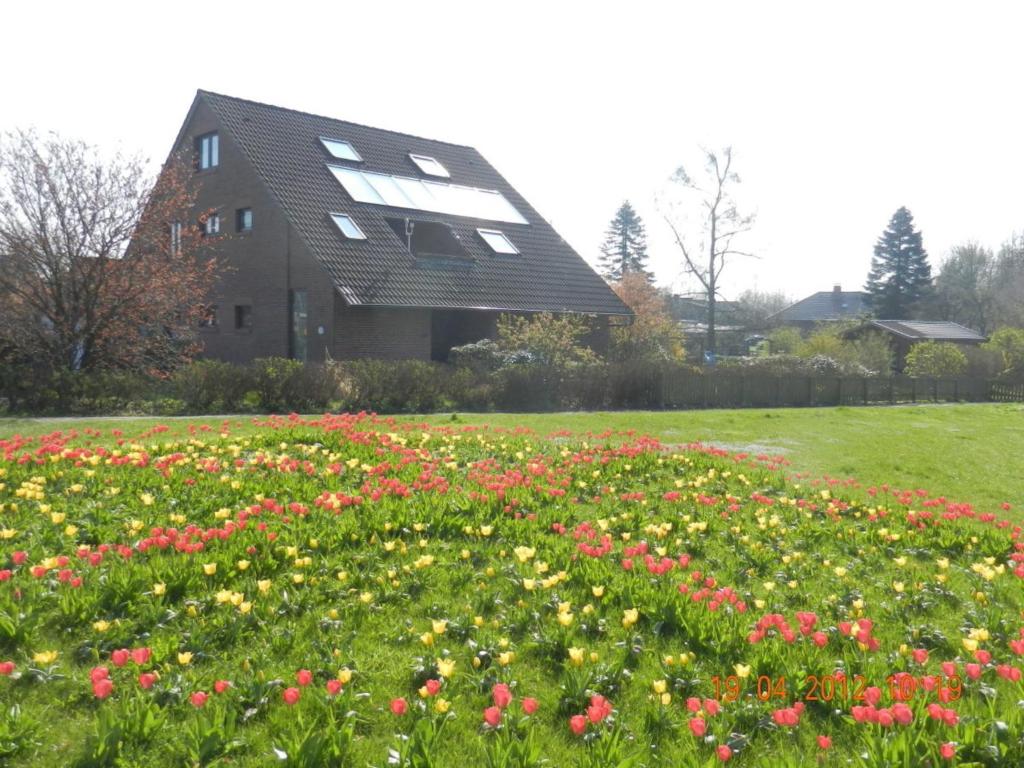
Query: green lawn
x=966 y=452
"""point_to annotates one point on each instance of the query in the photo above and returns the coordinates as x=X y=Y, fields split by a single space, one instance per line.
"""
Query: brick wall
x=261 y=266
x=386 y=334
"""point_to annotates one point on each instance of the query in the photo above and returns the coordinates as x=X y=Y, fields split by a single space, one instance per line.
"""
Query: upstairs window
x=347 y=226
x=243 y=317
x=211 y=226
x=430 y=166
x=208 y=317
x=208 y=150
x=340 y=149
x=498 y=241
x=243 y=220
x=176 y=238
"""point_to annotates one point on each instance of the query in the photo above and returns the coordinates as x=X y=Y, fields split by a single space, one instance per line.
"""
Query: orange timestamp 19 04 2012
x=837 y=687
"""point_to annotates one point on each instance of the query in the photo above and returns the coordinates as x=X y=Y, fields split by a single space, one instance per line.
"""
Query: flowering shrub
x=351 y=591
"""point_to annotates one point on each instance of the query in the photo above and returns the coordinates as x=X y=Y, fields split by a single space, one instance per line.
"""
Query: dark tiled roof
x=283 y=146
x=824 y=305
x=928 y=330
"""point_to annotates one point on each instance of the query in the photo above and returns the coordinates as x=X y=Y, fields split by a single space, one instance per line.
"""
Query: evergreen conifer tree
x=900 y=277
x=625 y=246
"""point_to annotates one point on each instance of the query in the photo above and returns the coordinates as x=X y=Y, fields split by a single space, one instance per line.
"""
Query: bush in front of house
x=395 y=386
x=935 y=359
x=1009 y=344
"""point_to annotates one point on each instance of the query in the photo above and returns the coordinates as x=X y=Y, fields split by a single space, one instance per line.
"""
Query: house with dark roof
x=822 y=307
x=347 y=241
x=904 y=334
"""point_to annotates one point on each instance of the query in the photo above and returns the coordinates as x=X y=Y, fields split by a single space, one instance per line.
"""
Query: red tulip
x=102 y=688
x=824 y=742
x=712 y=707
x=820 y=639
x=697 y=726
x=291 y=695
x=333 y=687
x=947 y=750
x=693 y=704
x=492 y=716
x=398 y=707
x=529 y=705
x=433 y=686
x=501 y=695
x=146 y=680
x=120 y=657
x=7 y=668
x=221 y=685
x=198 y=699
x=578 y=724
x=304 y=677
x=141 y=655
x=724 y=753
x=98 y=673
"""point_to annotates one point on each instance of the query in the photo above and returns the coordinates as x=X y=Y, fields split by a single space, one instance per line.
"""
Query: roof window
x=430 y=166
x=340 y=149
x=347 y=226
x=498 y=241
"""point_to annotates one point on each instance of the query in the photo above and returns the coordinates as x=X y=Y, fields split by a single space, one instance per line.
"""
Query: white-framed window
x=208 y=149
x=340 y=149
x=212 y=224
x=347 y=226
x=498 y=241
x=430 y=166
x=176 y=237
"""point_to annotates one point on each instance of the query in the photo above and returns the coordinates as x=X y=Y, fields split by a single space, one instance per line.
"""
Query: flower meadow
x=357 y=591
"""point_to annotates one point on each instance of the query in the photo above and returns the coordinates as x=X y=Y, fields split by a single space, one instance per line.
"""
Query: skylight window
x=348 y=227
x=340 y=149
x=422 y=195
x=430 y=166
x=498 y=242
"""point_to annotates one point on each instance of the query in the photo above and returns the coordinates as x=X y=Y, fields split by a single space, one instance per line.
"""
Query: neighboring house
x=348 y=241
x=903 y=334
x=692 y=311
x=822 y=307
x=692 y=315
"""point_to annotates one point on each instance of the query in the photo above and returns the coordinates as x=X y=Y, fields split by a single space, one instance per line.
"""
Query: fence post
x=892 y=390
x=864 y=385
x=810 y=390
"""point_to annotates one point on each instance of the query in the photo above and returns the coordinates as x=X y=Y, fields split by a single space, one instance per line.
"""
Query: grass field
x=354 y=592
x=965 y=452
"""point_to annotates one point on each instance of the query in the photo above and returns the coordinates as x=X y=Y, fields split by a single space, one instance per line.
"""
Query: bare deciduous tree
x=99 y=266
x=707 y=250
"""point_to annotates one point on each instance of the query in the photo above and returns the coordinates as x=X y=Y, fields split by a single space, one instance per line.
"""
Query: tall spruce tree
x=625 y=246
x=900 y=277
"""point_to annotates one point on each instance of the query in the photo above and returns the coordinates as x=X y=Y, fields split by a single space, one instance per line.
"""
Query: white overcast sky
x=839 y=113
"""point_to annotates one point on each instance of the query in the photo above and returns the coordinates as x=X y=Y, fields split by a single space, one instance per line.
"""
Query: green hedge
x=276 y=385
